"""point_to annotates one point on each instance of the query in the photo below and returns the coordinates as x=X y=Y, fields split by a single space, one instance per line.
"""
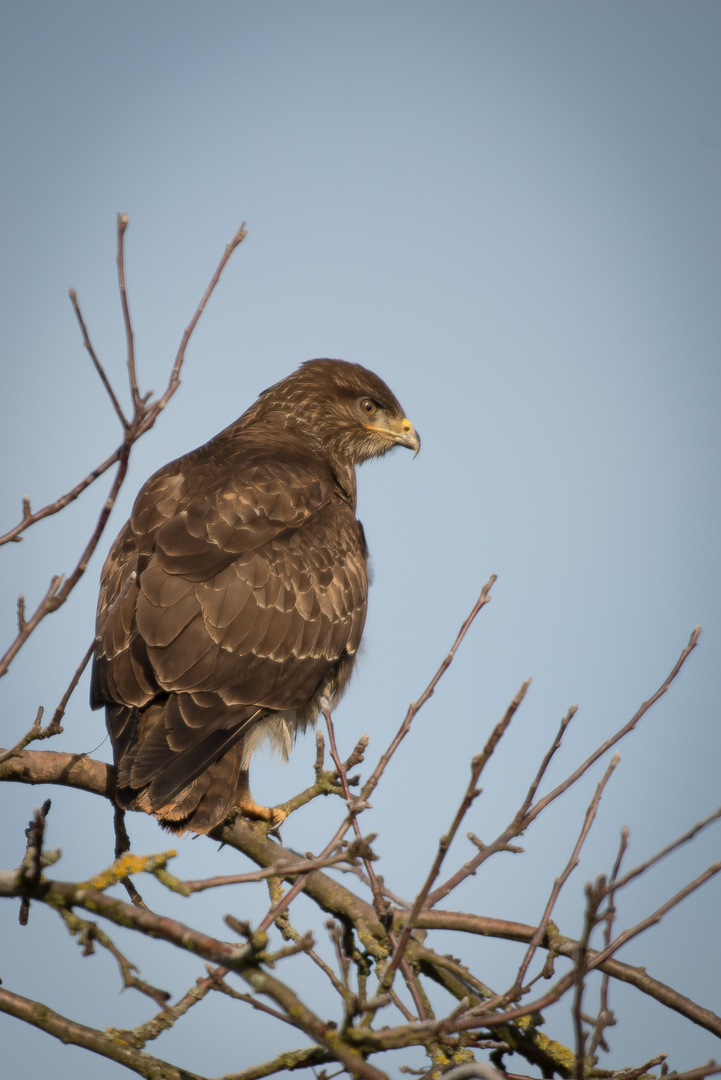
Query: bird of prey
x=233 y=600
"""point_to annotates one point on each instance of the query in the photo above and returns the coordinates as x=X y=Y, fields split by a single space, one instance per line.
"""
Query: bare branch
x=379 y=902
x=619 y=883
x=568 y=947
x=89 y=934
x=594 y=897
x=527 y=814
x=129 y=336
x=303 y=867
x=99 y=1042
x=306 y=1058
x=289 y=933
x=445 y=842
x=94 y=900
x=66 y=770
x=304 y=1019
x=415 y=706
x=605 y=1016
x=96 y=363
x=83 y=773
x=156 y=407
x=698 y=1074
x=570 y=866
x=37 y=731
x=493 y=740
x=354 y=807
x=556 y=745
x=31 y=867
x=143 y=420
x=29 y=518
x=621 y=733
x=54 y=727
x=657 y=915
x=58 y=593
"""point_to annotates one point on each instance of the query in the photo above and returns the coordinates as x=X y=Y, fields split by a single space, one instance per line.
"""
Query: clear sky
x=510 y=211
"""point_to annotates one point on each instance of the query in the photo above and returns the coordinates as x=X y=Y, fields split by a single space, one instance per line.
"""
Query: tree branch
x=415 y=706
x=99 y=1042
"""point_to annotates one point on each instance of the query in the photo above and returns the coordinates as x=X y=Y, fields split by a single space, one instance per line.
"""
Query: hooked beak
x=401 y=432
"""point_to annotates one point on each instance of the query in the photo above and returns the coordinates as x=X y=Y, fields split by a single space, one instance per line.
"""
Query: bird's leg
x=250 y=808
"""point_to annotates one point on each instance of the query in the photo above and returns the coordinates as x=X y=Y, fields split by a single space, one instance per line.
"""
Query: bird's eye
x=369 y=407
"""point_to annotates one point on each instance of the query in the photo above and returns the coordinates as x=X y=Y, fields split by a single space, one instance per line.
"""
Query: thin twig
x=621 y=733
x=656 y=916
x=29 y=518
x=303 y=867
x=498 y=732
x=445 y=842
x=555 y=745
x=99 y=1042
x=289 y=932
x=58 y=592
x=297 y=887
x=129 y=336
x=415 y=706
x=143 y=420
x=96 y=362
x=568 y=869
x=594 y=897
x=704 y=1017
x=619 y=883
x=698 y=1074
x=32 y=864
x=166 y=1018
x=54 y=726
x=380 y=904
x=89 y=934
x=526 y=815
x=156 y=407
x=37 y=731
x=605 y=1016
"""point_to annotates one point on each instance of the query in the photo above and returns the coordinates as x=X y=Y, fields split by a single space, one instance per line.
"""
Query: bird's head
x=344 y=408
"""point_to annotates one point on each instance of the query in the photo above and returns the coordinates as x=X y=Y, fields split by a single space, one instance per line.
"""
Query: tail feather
x=188 y=788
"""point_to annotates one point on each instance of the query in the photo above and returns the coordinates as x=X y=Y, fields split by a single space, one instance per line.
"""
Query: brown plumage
x=234 y=598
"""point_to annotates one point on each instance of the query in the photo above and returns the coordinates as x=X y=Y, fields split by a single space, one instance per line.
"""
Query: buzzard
x=234 y=598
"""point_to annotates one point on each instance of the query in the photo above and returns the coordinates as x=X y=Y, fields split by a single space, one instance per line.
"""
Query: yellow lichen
x=128 y=865
x=555 y=1050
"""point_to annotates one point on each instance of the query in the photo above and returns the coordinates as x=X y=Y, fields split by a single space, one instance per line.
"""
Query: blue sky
x=510 y=211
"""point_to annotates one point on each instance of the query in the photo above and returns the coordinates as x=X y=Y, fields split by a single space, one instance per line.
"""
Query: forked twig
x=156 y=407
x=143 y=419
x=380 y=903
x=620 y=882
x=621 y=733
x=30 y=518
x=96 y=362
x=528 y=810
x=605 y=1016
x=561 y=881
